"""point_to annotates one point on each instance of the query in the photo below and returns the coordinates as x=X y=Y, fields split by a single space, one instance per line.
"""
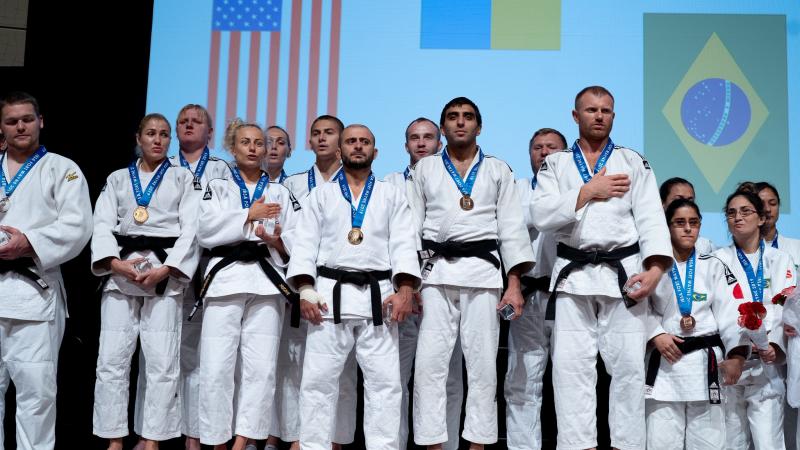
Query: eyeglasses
x=744 y=212
x=681 y=223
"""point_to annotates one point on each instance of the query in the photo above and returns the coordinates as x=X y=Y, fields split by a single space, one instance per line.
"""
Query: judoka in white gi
x=324 y=141
x=194 y=130
x=279 y=147
x=692 y=316
x=754 y=406
x=355 y=246
x=675 y=188
x=601 y=202
x=144 y=239
x=244 y=292
x=423 y=138
x=529 y=336
x=467 y=209
x=34 y=245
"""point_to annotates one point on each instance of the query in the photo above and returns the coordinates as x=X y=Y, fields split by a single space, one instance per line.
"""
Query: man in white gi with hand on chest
x=602 y=204
x=467 y=209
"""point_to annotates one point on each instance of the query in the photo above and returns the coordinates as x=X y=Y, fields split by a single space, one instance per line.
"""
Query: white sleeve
x=416 y=199
x=403 y=240
x=648 y=214
x=185 y=254
x=554 y=209
x=104 y=244
x=220 y=224
x=65 y=237
x=515 y=242
x=307 y=236
x=655 y=316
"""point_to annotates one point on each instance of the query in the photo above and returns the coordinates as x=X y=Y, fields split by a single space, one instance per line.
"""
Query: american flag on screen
x=258 y=35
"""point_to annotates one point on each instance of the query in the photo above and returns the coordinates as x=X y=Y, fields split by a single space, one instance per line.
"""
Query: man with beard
x=601 y=203
x=467 y=210
x=355 y=246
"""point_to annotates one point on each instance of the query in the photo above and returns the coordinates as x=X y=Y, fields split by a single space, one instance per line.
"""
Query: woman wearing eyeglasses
x=692 y=317
x=754 y=406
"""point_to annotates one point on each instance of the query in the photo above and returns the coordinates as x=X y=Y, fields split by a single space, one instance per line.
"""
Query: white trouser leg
x=138 y=401
x=327 y=348
x=286 y=413
x=789 y=425
x=407 y=331
x=190 y=367
x=119 y=329
x=160 y=333
x=4 y=382
x=455 y=396
x=527 y=359
x=438 y=330
x=29 y=351
x=735 y=405
x=691 y=425
x=219 y=342
x=376 y=349
x=345 y=420
x=765 y=417
x=705 y=426
x=258 y=350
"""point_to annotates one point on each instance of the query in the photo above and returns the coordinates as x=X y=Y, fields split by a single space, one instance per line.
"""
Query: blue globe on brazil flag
x=715 y=111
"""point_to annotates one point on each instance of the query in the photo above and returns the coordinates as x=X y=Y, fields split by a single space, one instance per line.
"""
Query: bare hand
x=666 y=344
x=402 y=304
x=732 y=370
x=126 y=268
x=603 y=186
x=260 y=210
x=513 y=297
x=312 y=311
x=789 y=330
x=153 y=276
x=768 y=356
x=649 y=279
x=17 y=246
x=416 y=307
x=273 y=240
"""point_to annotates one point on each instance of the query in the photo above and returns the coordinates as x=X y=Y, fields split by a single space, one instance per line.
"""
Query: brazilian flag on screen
x=490 y=24
x=715 y=101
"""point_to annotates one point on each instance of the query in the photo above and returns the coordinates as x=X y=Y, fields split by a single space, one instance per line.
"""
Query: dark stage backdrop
x=88 y=66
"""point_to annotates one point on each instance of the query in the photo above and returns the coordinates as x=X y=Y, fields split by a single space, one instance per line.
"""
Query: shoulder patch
x=567 y=150
x=543 y=167
x=646 y=164
x=71 y=176
x=207 y=195
x=730 y=278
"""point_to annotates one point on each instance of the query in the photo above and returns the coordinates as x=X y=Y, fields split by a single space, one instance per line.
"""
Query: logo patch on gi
x=767 y=283
x=295 y=203
x=543 y=167
x=207 y=195
x=646 y=164
x=699 y=297
x=71 y=176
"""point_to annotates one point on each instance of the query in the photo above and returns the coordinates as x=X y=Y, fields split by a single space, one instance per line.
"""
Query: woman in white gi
x=769 y=231
x=754 y=406
x=242 y=217
x=675 y=188
x=692 y=316
x=279 y=147
x=144 y=233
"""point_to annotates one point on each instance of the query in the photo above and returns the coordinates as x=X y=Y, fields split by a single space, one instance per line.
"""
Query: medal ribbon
x=533 y=182
x=23 y=170
x=244 y=193
x=143 y=198
x=407 y=172
x=684 y=292
x=464 y=187
x=283 y=176
x=201 y=164
x=775 y=241
x=756 y=281
x=357 y=214
x=581 y=163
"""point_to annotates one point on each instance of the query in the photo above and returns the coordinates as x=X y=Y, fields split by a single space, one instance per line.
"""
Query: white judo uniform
x=590 y=313
x=243 y=316
x=389 y=244
x=190 y=330
x=529 y=339
x=678 y=408
x=704 y=246
x=754 y=406
x=32 y=318
x=409 y=332
x=128 y=311
x=460 y=295
x=286 y=413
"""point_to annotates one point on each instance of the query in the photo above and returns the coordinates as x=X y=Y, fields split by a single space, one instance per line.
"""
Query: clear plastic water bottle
x=143 y=266
x=4 y=238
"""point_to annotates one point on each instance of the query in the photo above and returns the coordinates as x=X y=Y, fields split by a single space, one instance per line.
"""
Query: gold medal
x=355 y=236
x=466 y=203
x=687 y=323
x=140 y=215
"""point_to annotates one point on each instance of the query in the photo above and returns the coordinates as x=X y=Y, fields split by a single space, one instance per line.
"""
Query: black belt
x=533 y=284
x=248 y=252
x=157 y=245
x=579 y=258
x=363 y=278
x=22 y=266
x=453 y=249
x=692 y=344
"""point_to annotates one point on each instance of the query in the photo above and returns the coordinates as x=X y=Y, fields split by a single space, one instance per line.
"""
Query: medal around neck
x=466 y=203
x=355 y=236
x=8 y=187
x=687 y=323
x=357 y=214
x=5 y=204
x=464 y=186
x=140 y=215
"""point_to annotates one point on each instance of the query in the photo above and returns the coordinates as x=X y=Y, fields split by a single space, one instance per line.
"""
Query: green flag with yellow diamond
x=715 y=101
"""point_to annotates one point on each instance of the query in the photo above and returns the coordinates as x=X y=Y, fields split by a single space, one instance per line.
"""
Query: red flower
x=751 y=314
x=752 y=322
x=780 y=299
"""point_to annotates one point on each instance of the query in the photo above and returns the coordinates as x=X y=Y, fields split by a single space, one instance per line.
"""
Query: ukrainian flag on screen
x=491 y=24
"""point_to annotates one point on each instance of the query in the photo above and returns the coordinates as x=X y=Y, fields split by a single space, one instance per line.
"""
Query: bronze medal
x=355 y=236
x=5 y=204
x=466 y=203
x=140 y=215
x=687 y=323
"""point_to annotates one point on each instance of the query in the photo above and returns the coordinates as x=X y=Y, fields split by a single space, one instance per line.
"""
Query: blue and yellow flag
x=715 y=101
